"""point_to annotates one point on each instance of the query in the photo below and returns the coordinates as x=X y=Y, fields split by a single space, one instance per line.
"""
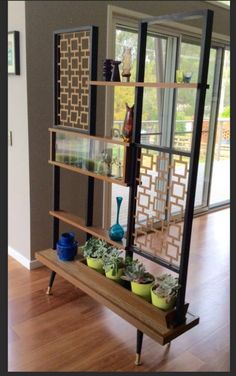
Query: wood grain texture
x=89 y=173
x=161 y=85
x=132 y=308
x=79 y=223
x=70 y=331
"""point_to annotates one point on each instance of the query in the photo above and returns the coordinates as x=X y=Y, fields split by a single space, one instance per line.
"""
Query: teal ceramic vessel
x=116 y=231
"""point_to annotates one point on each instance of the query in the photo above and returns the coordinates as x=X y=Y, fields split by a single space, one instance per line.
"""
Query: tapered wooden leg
x=139 y=347
x=52 y=277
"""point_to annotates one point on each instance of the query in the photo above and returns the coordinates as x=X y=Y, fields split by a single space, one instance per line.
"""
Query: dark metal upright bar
x=135 y=152
x=55 y=206
x=196 y=143
x=92 y=120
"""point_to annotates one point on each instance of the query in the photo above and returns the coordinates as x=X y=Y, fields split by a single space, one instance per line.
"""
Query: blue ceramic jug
x=67 y=246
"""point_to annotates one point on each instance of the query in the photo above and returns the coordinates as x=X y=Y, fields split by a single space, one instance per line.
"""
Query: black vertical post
x=196 y=142
x=56 y=203
x=92 y=119
x=135 y=152
x=55 y=206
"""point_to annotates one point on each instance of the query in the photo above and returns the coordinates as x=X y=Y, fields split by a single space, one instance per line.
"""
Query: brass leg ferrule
x=138 y=360
x=49 y=291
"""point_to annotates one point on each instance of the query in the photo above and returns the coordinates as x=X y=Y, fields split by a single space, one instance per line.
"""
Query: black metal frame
x=202 y=86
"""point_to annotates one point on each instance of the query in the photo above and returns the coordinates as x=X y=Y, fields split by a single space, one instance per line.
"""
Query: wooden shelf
x=84 y=135
x=89 y=173
x=143 y=315
x=160 y=85
x=79 y=223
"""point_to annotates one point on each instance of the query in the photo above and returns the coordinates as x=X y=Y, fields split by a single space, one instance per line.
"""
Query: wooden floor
x=69 y=331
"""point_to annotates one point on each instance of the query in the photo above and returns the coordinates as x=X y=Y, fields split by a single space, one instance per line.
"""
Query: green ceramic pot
x=115 y=277
x=161 y=302
x=96 y=264
x=142 y=289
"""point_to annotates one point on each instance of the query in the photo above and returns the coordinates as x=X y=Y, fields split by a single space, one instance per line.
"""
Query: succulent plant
x=166 y=286
x=135 y=271
x=112 y=260
x=95 y=248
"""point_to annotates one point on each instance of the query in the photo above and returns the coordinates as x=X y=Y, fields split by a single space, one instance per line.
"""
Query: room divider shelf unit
x=168 y=187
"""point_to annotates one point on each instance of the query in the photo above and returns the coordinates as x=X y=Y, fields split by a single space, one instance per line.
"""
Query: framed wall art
x=13 y=53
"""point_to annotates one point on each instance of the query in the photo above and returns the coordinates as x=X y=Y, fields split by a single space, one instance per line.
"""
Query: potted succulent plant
x=164 y=291
x=141 y=280
x=113 y=264
x=94 y=250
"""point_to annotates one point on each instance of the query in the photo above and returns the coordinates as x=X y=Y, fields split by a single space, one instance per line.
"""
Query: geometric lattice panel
x=73 y=68
x=160 y=204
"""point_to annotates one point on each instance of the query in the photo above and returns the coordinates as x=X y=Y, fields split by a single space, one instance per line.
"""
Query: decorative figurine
x=107 y=69
x=116 y=232
x=128 y=123
x=127 y=60
x=115 y=72
x=107 y=161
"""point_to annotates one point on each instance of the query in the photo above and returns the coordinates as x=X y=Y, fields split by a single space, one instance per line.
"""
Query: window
x=162 y=110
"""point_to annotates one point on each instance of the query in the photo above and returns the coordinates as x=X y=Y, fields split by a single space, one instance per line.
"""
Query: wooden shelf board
x=88 y=173
x=84 y=135
x=160 y=85
x=79 y=223
x=143 y=315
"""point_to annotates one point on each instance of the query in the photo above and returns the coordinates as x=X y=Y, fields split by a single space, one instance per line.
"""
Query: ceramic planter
x=115 y=277
x=96 y=264
x=67 y=247
x=142 y=289
x=161 y=302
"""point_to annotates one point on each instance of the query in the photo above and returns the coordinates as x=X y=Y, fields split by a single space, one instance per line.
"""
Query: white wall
x=18 y=154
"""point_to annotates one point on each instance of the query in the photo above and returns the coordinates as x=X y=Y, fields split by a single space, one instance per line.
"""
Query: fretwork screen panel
x=73 y=67
x=160 y=205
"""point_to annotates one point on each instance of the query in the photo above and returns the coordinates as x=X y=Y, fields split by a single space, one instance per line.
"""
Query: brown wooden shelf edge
x=160 y=85
x=79 y=223
x=88 y=173
x=139 y=313
x=106 y=139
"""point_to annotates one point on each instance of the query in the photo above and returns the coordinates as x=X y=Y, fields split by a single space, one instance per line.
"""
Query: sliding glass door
x=168 y=114
x=220 y=179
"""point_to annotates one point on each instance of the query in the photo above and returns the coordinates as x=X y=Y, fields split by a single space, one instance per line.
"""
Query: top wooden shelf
x=160 y=85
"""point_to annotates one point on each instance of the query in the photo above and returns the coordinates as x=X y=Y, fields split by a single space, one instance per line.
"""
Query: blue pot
x=67 y=238
x=67 y=247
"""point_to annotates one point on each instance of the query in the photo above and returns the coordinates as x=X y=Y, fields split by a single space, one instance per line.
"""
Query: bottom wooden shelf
x=143 y=315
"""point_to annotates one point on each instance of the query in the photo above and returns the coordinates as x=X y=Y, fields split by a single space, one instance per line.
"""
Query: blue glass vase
x=116 y=232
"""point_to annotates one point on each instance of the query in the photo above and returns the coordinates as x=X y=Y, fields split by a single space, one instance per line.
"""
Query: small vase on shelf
x=128 y=123
x=115 y=72
x=107 y=69
x=126 y=64
x=116 y=232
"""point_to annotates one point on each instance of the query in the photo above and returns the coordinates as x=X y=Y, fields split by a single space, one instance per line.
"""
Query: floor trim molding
x=29 y=264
